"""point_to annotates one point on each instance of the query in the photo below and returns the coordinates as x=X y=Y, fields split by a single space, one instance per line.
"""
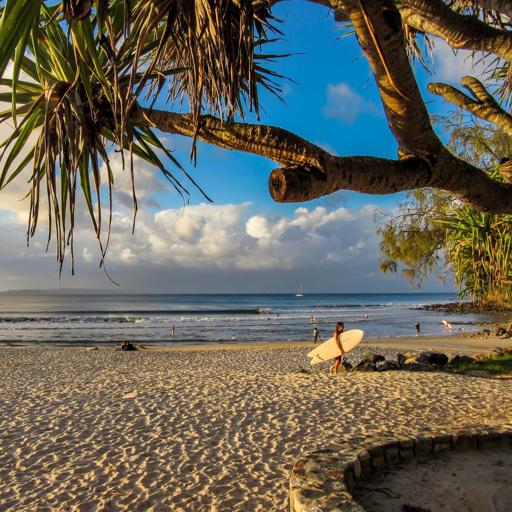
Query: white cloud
x=451 y=66
x=345 y=104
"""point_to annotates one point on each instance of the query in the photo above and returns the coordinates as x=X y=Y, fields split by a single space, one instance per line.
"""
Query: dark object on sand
x=127 y=346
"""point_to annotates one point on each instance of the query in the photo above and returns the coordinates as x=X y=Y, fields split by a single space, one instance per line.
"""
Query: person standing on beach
x=315 y=334
x=340 y=327
x=173 y=330
x=418 y=329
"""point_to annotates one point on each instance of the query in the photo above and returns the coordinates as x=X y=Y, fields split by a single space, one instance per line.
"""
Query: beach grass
x=498 y=365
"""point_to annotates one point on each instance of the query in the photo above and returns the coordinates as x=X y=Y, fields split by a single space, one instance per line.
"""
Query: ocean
x=93 y=319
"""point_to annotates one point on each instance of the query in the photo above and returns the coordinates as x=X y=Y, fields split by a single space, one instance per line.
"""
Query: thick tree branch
x=272 y=142
x=310 y=172
x=379 y=32
x=459 y=31
x=482 y=105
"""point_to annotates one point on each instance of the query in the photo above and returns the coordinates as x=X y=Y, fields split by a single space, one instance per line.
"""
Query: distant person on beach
x=418 y=332
x=312 y=320
x=315 y=334
x=127 y=346
x=173 y=330
x=340 y=327
x=366 y=316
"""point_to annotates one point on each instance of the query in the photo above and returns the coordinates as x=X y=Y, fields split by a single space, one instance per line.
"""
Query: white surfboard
x=329 y=349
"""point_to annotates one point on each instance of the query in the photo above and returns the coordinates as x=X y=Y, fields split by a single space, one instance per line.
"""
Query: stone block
x=423 y=446
x=406 y=443
x=349 y=480
x=366 y=463
x=356 y=468
x=489 y=441
x=463 y=441
x=391 y=455
x=378 y=462
x=406 y=453
x=442 y=443
x=377 y=457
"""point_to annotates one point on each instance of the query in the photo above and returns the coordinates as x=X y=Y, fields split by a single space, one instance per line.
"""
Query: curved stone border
x=323 y=480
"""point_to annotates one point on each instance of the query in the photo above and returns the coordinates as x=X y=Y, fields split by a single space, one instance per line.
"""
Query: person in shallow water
x=340 y=327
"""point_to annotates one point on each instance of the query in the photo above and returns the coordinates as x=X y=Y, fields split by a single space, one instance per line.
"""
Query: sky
x=244 y=242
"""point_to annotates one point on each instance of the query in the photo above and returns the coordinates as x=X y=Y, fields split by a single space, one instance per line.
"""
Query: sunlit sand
x=214 y=428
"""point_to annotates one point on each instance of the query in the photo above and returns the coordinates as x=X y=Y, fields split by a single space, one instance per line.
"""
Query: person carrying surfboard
x=340 y=327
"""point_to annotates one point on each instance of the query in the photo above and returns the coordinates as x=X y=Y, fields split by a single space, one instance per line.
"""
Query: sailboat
x=300 y=293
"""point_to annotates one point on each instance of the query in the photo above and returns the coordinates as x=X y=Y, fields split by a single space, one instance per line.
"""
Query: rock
x=463 y=359
x=508 y=350
x=500 y=331
x=400 y=358
x=373 y=358
x=90 y=349
x=344 y=367
x=418 y=367
x=506 y=335
x=383 y=366
x=498 y=351
x=432 y=358
x=364 y=366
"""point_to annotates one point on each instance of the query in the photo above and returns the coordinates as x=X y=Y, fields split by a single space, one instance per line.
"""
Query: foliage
x=84 y=65
x=498 y=365
x=436 y=234
x=413 y=238
x=479 y=250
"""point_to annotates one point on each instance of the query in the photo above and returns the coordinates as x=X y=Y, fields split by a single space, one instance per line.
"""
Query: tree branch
x=482 y=105
x=379 y=32
x=459 y=31
x=310 y=172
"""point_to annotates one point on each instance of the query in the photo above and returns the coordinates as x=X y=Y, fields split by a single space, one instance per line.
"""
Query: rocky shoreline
x=422 y=361
x=469 y=307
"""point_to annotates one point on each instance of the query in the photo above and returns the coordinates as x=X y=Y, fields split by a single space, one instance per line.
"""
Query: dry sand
x=200 y=430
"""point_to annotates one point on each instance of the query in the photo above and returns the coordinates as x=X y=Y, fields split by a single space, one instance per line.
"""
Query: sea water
x=86 y=318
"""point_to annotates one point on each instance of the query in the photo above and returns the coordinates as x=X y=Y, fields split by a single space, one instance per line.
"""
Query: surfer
x=340 y=327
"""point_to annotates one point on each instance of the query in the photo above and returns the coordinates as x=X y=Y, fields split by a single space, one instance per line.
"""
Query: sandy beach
x=205 y=428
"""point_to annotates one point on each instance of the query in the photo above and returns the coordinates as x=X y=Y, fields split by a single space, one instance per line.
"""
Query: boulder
x=400 y=358
x=383 y=366
x=500 y=331
x=498 y=351
x=418 y=367
x=432 y=358
x=345 y=367
x=364 y=366
x=373 y=358
x=463 y=359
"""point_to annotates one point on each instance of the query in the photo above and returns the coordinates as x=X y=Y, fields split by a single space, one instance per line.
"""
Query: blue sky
x=245 y=242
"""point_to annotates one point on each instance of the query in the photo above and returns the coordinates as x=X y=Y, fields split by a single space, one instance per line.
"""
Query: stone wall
x=323 y=480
